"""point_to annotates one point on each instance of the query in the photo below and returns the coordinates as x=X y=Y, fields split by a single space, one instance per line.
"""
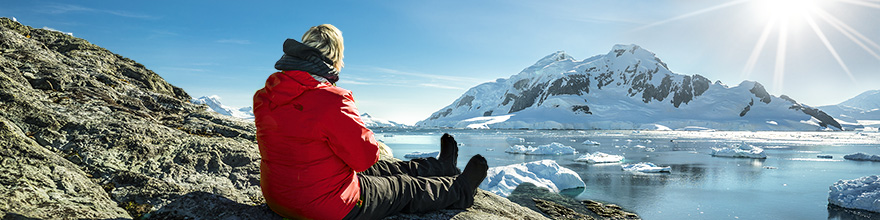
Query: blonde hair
x=328 y=39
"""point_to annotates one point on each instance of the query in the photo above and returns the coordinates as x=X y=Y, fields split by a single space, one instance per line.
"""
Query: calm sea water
x=792 y=183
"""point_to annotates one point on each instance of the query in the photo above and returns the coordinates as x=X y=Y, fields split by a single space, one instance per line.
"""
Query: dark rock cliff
x=87 y=133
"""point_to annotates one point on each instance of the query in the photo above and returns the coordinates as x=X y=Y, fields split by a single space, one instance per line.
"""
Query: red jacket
x=312 y=142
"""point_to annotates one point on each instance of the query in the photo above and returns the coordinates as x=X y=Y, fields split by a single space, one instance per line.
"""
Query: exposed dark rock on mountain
x=627 y=88
x=87 y=133
x=825 y=120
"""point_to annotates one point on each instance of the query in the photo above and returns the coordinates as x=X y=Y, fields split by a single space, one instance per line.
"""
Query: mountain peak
x=867 y=100
x=632 y=51
x=552 y=58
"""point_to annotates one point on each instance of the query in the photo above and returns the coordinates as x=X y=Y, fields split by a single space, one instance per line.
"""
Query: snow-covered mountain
x=373 y=122
x=213 y=103
x=627 y=88
x=863 y=110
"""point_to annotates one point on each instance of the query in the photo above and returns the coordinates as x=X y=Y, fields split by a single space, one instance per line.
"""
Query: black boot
x=449 y=154
x=474 y=174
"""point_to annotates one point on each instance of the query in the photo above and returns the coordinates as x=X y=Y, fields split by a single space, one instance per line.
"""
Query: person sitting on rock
x=319 y=161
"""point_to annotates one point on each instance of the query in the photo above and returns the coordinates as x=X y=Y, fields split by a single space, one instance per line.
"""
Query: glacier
x=373 y=122
x=862 y=193
x=214 y=104
x=544 y=173
x=627 y=88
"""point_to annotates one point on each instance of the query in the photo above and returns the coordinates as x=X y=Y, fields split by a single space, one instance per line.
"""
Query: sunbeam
x=783 y=16
x=779 y=69
x=830 y=47
x=832 y=21
x=862 y=3
x=756 y=51
x=698 y=12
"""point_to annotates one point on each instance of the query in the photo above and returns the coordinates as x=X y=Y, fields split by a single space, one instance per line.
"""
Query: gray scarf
x=298 y=56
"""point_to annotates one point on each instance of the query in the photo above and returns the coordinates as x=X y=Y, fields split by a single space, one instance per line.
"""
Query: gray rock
x=556 y=206
x=38 y=183
x=87 y=133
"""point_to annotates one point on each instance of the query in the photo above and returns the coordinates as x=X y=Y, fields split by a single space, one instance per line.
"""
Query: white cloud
x=424 y=75
x=65 y=8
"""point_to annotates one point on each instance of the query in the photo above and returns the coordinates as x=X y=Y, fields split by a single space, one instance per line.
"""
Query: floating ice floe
x=599 y=157
x=548 y=149
x=862 y=156
x=862 y=193
x=825 y=156
x=544 y=173
x=589 y=142
x=417 y=154
x=515 y=140
x=645 y=167
x=740 y=150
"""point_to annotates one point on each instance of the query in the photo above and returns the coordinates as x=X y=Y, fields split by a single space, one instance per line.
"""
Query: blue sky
x=406 y=59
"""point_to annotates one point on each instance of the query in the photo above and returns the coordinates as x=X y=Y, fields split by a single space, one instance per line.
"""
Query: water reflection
x=836 y=212
x=699 y=185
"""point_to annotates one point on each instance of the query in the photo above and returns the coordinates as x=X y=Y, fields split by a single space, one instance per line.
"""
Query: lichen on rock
x=87 y=133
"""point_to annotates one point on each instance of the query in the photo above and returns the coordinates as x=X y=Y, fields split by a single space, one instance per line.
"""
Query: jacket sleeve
x=349 y=138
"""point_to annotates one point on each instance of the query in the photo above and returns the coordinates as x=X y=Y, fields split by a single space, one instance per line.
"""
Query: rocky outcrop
x=87 y=133
x=98 y=135
x=556 y=206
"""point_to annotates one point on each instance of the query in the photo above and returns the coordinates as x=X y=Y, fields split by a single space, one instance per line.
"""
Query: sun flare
x=784 y=18
x=786 y=8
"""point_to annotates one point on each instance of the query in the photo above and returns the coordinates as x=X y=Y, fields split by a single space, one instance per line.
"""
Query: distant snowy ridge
x=213 y=103
x=544 y=173
x=627 y=88
x=418 y=154
x=860 y=112
x=373 y=122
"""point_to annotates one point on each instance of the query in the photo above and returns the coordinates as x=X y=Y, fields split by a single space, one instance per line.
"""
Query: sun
x=780 y=17
x=786 y=9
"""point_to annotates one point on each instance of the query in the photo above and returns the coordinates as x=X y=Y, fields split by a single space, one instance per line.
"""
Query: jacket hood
x=285 y=86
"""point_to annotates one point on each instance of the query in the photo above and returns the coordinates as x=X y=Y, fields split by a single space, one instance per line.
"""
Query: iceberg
x=548 y=149
x=740 y=150
x=544 y=173
x=862 y=193
x=862 y=156
x=599 y=157
x=417 y=154
x=589 y=142
x=645 y=167
x=515 y=140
